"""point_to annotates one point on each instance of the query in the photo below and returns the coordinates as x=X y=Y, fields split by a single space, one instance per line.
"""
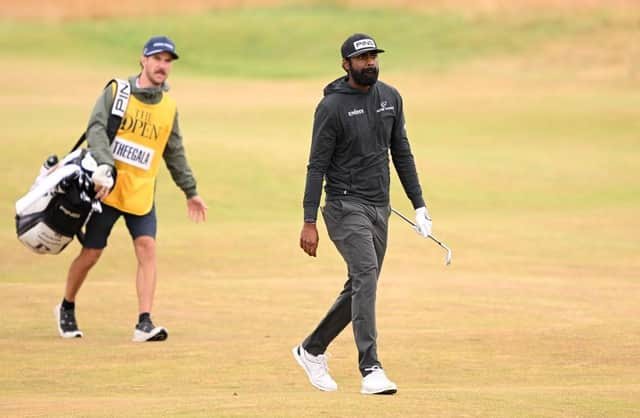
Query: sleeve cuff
x=310 y=214
x=418 y=202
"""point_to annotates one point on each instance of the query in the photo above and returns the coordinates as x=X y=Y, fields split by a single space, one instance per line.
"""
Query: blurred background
x=523 y=117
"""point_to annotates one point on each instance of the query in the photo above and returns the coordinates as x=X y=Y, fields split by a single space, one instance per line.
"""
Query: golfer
x=356 y=125
x=125 y=180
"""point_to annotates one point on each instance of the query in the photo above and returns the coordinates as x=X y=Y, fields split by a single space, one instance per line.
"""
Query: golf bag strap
x=79 y=142
x=120 y=102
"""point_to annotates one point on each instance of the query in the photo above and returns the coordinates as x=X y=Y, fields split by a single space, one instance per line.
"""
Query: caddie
x=125 y=180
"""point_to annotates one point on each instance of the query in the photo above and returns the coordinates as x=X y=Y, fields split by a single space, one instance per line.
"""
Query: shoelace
x=322 y=361
x=68 y=317
x=373 y=369
x=146 y=326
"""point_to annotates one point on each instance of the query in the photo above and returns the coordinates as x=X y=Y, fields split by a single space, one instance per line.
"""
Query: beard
x=366 y=76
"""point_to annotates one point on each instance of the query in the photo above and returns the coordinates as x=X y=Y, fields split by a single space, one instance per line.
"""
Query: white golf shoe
x=146 y=331
x=316 y=369
x=377 y=383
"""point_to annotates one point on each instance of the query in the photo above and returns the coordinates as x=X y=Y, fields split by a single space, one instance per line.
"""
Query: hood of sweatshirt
x=148 y=94
x=340 y=85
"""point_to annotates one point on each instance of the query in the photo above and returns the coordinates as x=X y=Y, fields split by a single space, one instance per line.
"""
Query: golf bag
x=58 y=205
x=62 y=198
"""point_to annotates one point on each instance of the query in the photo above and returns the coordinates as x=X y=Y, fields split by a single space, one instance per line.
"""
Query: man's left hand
x=423 y=222
x=197 y=209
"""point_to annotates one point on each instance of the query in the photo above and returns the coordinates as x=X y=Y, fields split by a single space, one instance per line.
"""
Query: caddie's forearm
x=182 y=176
x=176 y=161
x=190 y=192
x=187 y=183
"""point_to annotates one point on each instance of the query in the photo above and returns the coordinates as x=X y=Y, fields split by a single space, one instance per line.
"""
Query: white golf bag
x=58 y=205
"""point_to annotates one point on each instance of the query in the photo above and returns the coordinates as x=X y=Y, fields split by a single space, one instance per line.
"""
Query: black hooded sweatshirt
x=353 y=132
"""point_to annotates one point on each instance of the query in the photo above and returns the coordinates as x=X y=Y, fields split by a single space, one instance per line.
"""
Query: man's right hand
x=309 y=238
x=102 y=180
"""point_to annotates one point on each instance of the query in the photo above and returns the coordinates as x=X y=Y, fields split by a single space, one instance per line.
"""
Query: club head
x=448 y=259
x=449 y=255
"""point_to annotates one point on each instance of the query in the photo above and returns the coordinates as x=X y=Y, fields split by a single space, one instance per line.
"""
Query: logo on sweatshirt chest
x=384 y=106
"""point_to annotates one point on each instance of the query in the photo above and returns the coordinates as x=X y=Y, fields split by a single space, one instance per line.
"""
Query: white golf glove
x=103 y=180
x=423 y=222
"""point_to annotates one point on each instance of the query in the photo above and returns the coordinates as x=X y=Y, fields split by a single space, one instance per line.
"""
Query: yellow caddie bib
x=137 y=151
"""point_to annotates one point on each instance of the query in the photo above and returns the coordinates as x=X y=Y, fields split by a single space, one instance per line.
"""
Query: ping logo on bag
x=123 y=91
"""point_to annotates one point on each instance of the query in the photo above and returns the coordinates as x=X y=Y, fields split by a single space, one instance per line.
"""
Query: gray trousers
x=359 y=232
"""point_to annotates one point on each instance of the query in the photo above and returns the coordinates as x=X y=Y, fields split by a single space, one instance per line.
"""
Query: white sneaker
x=316 y=368
x=146 y=331
x=377 y=383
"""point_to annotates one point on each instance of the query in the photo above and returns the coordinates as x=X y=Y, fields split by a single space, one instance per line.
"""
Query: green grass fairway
x=525 y=128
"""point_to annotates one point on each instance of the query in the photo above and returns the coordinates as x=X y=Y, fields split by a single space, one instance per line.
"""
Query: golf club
x=448 y=259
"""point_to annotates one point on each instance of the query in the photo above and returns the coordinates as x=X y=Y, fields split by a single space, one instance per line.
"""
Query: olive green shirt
x=173 y=155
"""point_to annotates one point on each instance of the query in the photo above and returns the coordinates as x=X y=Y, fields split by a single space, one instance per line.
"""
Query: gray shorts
x=100 y=225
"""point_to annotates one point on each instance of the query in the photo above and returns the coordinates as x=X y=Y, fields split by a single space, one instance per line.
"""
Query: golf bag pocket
x=40 y=237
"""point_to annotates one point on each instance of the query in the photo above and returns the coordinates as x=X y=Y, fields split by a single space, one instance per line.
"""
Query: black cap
x=159 y=44
x=357 y=44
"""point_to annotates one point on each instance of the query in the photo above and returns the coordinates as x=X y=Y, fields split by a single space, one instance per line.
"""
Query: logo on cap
x=159 y=47
x=159 y=44
x=364 y=43
x=162 y=44
x=357 y=44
